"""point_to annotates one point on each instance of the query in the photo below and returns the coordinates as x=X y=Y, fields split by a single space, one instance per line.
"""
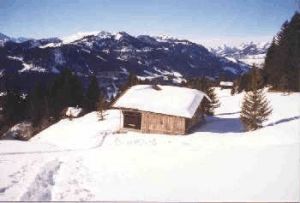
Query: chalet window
x=132 y=120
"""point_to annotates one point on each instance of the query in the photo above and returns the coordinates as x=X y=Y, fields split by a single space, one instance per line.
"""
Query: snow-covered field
x=85 y=159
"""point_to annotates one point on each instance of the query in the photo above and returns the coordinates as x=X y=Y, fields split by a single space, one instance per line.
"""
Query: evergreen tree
x=283 y=56
x=132 y=80
x=203 y=85
x=255 y=107
x=66 y=90
x=244 y=81
x=283 y=83
x=92 y=95
x=198 y=83
x=214 y=103
x=14 y=107
x=37 y=105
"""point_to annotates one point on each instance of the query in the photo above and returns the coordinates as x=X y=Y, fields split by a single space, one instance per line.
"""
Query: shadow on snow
x=220 y=125
x=284 y=120
x=215 y=124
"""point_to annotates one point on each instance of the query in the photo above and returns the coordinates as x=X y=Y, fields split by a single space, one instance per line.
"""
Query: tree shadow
x=283 y=120
x=224 y=114
x=219 y=125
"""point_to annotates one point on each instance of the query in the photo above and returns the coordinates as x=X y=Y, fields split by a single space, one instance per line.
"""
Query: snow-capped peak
x=166 y=37
x=77 y=36
x=248 y=52
x=120 y=35
x=104 y=34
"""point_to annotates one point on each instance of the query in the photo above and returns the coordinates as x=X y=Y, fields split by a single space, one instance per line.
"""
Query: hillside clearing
x=85 y=159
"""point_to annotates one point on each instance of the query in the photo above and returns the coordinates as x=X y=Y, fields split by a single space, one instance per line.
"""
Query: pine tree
x=14 y=107
x=92 y=95
x=255 y=107
x=132 y=80
x=283 y=56
x=214 y=103
x=283 y=83
x=203 y=85
x=66 y=90
x=37 y=105
x=198 y=83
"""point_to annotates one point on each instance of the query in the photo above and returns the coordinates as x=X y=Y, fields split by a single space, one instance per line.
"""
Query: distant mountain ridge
x=249 y=53
x=111 y=57
x=5 y=38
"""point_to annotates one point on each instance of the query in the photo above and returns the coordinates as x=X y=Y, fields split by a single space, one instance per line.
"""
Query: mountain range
x=249 y=53
x=111 y=57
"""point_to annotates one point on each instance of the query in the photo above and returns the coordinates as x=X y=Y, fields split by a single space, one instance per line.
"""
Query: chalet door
x=132 y=120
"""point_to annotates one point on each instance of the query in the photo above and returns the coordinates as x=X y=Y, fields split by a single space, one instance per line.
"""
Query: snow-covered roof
x=169 y=100
x=226 y=83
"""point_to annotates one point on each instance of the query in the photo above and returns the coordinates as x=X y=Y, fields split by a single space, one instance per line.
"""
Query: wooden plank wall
x=159 y=123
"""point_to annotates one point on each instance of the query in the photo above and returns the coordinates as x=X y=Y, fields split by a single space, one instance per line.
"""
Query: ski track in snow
x=41 y=187
x=15 y=179
x=76 y=182
x=44 y=182
x=18 y=179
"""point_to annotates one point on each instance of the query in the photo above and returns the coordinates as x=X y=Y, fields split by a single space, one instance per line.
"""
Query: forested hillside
x=282 y=63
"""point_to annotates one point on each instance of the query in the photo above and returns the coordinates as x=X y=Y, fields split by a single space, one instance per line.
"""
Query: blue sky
x=204 y=21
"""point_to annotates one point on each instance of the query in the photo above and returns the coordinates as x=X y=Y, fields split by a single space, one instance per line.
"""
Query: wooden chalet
x=161 y=109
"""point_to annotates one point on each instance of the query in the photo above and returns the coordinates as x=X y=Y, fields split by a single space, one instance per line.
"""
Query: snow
x=58 y=57
x=73 y=112
x=2 y=94
x=27 y=66
x=169 y=100
x=21 y=129
x=100 y=57
x=179 y=80
x=17 y=58
x=77 y=36
x=104 y=35
x=79 y=133
x=164 y=38
x=118 y=36
x=177 y=74
x=122 y=58
x=231 y=59
x=50 y=45
x=226 y=83
x=231 y=69
x=257 y=60
x=248 y=53
x=31 y=67
x=88 y=160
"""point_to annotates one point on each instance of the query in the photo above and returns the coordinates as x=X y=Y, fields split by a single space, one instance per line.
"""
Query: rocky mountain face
x=111 y=57
x=248 y=53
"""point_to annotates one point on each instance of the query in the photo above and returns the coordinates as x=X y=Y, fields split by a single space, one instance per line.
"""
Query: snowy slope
x=85 y=159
